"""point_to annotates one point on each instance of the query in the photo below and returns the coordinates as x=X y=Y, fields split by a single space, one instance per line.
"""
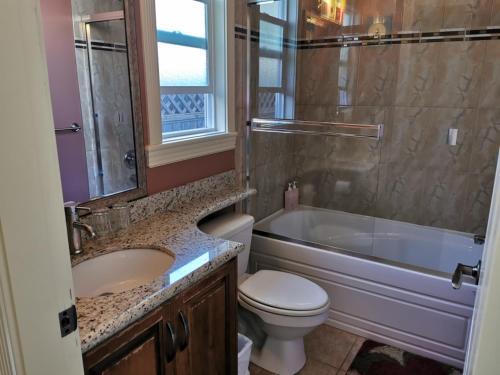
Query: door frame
x=31 y=198
x=9 y=344
x=482 y=353
x=35 y=268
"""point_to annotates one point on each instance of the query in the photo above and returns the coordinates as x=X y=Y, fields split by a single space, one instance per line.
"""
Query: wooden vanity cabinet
x=208 y=314
x=194 y=333
x=136 y=350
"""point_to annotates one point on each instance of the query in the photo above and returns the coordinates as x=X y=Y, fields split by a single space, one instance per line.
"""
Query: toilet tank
x=233 y=227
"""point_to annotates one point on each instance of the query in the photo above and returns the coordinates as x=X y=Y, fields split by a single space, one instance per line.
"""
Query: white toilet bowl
x=288 y=306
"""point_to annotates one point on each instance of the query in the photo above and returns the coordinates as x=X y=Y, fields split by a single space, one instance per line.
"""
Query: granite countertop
x=173 y=230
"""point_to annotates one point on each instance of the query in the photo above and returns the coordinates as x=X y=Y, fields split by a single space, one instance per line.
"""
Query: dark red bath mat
x=379 y=359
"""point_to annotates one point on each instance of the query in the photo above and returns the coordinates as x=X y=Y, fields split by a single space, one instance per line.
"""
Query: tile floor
x=329 y=351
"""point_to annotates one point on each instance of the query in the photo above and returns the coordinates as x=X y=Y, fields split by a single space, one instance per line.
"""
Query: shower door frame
x=128 y=14
x=92 y=20
x=286 y=74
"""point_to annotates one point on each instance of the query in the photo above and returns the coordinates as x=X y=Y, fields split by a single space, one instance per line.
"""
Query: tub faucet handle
x=479 y=239
x=461 y=270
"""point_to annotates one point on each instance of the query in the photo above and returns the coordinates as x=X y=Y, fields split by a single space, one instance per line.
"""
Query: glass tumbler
x=100 y=221
x=120 y=216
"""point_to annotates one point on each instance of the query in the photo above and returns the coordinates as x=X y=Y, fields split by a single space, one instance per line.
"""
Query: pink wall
x=177 y=174
x=65 y=95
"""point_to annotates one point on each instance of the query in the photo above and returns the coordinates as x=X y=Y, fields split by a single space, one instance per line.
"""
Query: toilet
x=289 y=306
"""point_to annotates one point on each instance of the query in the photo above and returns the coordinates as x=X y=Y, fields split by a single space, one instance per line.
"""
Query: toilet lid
x=284 y=291
x=244 y=300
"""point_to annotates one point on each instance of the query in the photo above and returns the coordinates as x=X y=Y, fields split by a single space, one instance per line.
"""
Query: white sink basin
x=119 y=271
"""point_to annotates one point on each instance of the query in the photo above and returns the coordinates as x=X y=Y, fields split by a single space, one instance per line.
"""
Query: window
x=188 y=58
x=184 y=62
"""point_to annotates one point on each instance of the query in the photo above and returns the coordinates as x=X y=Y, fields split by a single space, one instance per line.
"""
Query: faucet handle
x=73 y=207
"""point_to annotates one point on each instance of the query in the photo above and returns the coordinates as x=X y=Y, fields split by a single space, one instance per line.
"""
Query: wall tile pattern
x=418 y=91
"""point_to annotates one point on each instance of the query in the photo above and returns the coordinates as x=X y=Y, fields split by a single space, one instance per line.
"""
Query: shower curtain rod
x=331 y=129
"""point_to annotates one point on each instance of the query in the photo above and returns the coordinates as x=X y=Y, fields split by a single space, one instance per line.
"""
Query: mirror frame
x=136 y=103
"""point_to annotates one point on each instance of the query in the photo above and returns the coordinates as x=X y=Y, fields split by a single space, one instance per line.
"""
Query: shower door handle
x=461 y=270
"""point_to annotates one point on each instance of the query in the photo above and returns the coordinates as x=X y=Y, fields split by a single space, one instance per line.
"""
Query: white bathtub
x=388 y=280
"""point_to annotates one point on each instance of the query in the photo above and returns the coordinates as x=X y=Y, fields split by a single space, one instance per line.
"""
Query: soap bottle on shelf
x=295 y=196
x=288 y=197
x=292 y=196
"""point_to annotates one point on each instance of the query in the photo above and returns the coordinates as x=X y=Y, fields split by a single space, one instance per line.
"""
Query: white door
x=35 y=270
x=482 y=356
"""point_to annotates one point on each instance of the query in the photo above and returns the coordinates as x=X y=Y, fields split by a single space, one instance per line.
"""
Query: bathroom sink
x=119 y=271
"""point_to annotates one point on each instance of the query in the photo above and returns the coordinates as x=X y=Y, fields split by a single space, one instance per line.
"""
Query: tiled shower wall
x=418 y=91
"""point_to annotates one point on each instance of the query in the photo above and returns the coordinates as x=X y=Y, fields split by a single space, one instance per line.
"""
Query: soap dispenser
x=295 y=195
x=288 y=197
x=292 y=196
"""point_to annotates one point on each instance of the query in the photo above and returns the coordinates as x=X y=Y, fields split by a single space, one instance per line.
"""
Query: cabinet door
x=136 y=350
x=207 y=327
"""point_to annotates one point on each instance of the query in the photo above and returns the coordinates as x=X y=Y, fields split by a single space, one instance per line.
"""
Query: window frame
x=209 y=18
x=222 y=136
x=207 y=90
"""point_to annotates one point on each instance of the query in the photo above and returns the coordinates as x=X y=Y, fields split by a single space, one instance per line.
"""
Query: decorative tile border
x=240 y=32
x=101 y=46
x=403 y=37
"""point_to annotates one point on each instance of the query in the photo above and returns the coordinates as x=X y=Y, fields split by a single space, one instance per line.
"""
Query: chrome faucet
x=74 y=227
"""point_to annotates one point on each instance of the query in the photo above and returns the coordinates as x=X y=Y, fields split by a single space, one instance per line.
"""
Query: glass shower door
x=325 y=151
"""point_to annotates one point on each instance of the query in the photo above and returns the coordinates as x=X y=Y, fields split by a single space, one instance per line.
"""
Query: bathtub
x=389 y=281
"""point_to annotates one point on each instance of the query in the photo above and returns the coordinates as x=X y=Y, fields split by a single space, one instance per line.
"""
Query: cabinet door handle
x=182 y=318
x=171 y=344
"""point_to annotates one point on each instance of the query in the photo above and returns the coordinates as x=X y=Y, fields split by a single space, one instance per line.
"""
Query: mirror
x=100 y=147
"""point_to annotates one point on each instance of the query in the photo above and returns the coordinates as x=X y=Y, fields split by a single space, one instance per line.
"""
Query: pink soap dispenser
x=295 y=196
x=292 y=196
x=288 y=197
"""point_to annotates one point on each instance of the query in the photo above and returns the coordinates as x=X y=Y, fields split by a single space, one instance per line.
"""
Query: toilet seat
x=283 y=293
x=278 y=311
x=282 y=320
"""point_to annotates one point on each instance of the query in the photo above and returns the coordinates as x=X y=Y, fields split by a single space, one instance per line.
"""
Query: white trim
x=173 y=90
x=9 y=344
x=230 y=67
x=34 y=250
x=186 y=134
x=180 y=150
x=151 y=70
x=482 y=353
